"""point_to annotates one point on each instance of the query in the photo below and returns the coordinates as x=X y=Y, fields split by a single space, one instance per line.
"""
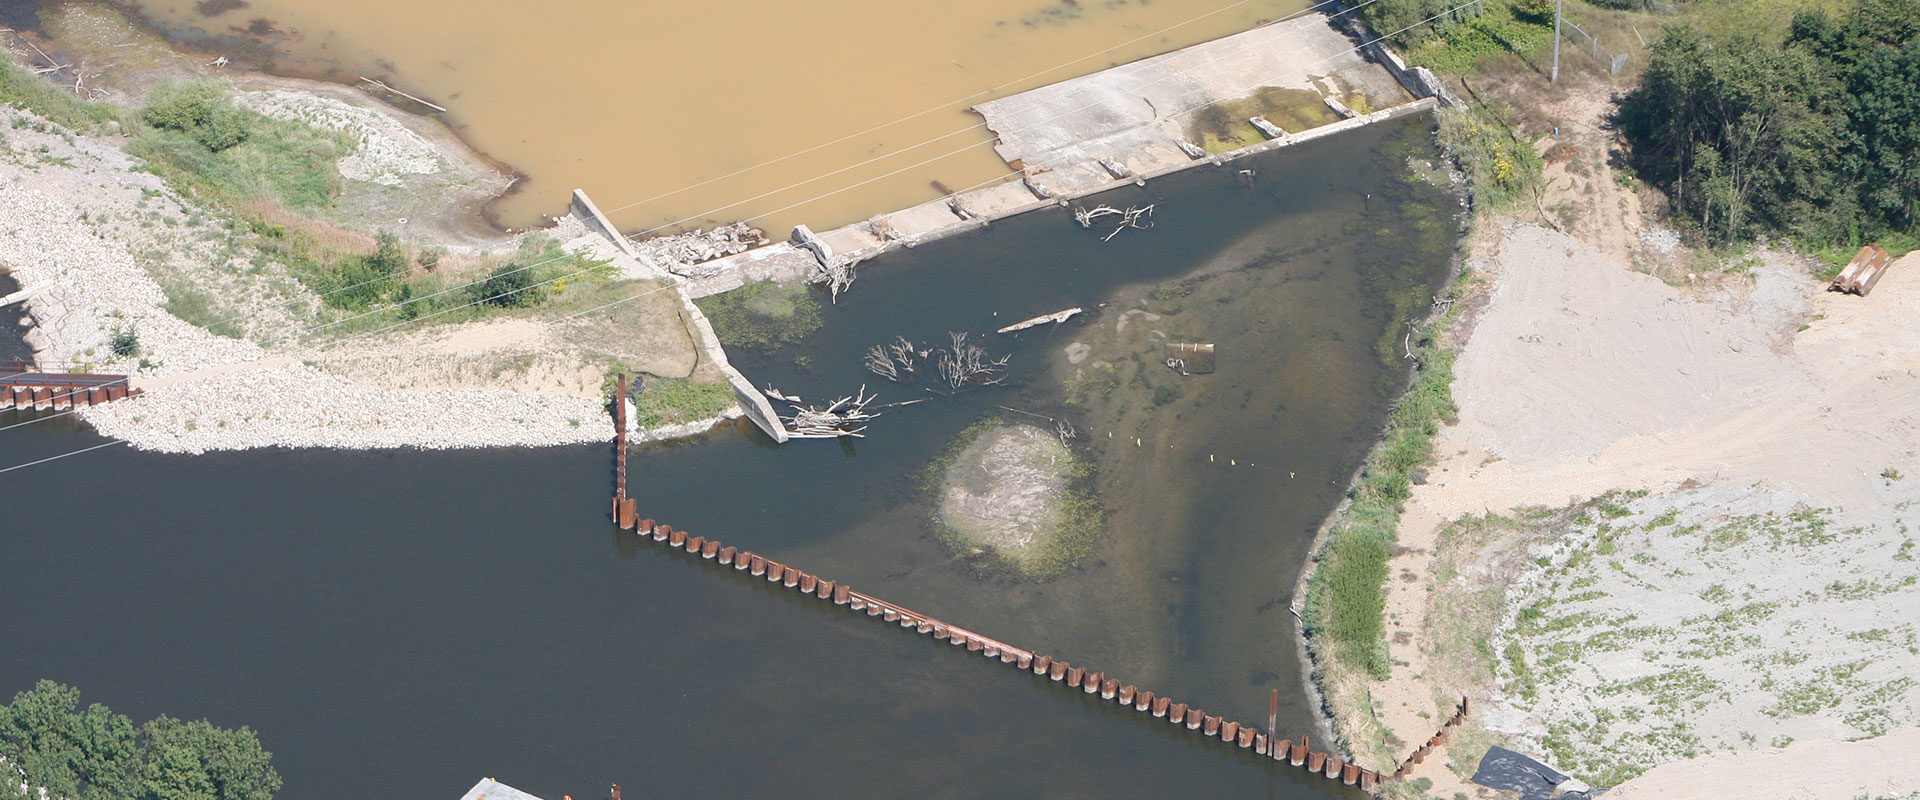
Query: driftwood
x=839 y=418
x=1057 y=316
x=1133 y=217
x=950 y=369
x=837 y=278
x=384 y=87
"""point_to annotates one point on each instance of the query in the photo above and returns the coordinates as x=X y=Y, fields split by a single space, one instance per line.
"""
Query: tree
x=1817 y=136
x=90 y=755
x=98 y=755
x=197 y=761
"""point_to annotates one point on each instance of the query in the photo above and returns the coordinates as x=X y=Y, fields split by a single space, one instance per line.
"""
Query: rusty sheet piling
x=1089 y=682
x=27 y=384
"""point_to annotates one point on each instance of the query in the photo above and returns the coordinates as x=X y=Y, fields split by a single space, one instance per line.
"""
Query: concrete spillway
x=1128 y=124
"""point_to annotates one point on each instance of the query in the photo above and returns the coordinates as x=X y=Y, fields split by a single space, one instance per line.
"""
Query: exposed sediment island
x=1008 y=492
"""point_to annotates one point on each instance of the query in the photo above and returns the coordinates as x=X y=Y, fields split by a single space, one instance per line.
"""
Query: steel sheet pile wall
x=1439 y=737
x=1059 y=671
x=24 y=384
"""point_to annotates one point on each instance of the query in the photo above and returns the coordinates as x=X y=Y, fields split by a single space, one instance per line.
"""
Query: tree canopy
x=1815 y=135
x=48 y=742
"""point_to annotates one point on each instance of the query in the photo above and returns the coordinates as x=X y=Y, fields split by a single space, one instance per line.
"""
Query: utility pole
x=1556 y=43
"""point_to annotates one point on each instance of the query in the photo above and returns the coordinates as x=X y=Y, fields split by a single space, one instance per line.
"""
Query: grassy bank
x=1344 y=604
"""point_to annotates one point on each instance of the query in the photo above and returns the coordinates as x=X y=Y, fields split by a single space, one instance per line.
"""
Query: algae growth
x=1013 y=498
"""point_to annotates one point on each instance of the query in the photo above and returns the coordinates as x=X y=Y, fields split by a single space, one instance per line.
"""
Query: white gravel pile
x=88 y=286
x=384 y=150
x=73 y=212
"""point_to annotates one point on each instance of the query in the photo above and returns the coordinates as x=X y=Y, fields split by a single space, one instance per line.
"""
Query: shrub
x=125 y=342
x=1504 y=167
x=510 y=286
x=199 y=109
x=359 y=281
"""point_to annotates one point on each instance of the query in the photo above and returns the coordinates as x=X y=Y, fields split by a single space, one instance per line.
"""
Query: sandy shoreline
x=1762 y=413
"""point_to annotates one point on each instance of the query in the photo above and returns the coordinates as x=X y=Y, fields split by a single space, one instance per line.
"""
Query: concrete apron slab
x=1117 y=126
x=1084 y=136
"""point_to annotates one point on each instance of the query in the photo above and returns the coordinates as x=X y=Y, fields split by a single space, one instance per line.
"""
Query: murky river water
x=402 y=623
x=632 y=101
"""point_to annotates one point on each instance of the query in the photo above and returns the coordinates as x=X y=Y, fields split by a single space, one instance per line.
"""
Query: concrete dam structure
x=1277 y=85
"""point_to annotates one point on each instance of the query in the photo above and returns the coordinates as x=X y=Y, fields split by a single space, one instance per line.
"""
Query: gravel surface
x=96 y=240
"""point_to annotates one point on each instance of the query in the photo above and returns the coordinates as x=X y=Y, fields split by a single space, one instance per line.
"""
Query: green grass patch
x=1504 y=167
x=659 y=402
x=196 y=308
x=1345 y=599
x=1520 y=27
x=194 y=136
x=21 y=88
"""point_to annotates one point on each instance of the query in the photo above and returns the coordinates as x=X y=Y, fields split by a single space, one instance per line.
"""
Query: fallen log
x=1057 y=316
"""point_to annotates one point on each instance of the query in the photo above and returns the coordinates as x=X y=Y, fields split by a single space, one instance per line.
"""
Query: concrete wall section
x=751 y=400
x=1068 y=137
x=583 y=207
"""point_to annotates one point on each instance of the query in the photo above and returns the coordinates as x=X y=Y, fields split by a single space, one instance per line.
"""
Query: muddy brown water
x=635 y=100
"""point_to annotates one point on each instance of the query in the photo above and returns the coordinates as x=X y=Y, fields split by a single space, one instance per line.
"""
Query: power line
x=1174 y=73
x=942 y=106
x=670 y=285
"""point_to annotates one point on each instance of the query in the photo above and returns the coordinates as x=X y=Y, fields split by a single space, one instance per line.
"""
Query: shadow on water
x=401 y=623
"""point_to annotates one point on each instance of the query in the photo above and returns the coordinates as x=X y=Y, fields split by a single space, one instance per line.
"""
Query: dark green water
x=402 y=623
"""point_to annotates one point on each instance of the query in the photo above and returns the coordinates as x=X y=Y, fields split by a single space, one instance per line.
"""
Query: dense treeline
x=1815 y=135
x=49 y=743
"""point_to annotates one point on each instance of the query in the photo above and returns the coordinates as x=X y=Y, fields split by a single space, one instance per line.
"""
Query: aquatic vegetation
x=1345 y=601
x=1013 y=500
x=765 y=316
